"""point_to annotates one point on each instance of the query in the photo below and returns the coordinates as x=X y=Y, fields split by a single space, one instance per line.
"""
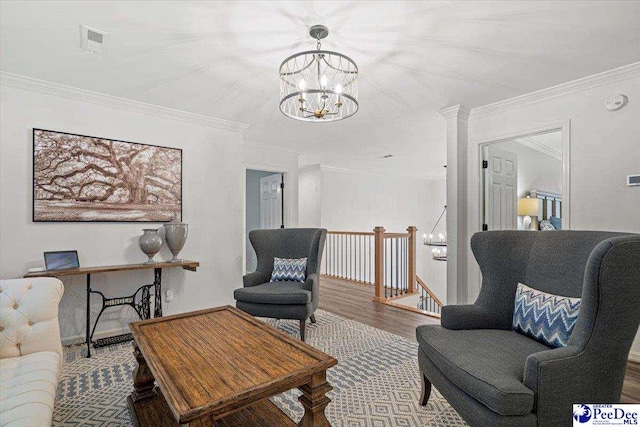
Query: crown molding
x=426 y=177
x=459 y=111
x=540 y=147
x=590 y=82
x=49 y=88
x=309 y=168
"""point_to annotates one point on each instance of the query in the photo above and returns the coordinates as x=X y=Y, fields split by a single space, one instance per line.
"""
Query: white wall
x=359 y=201
x=213 y=159
x=310 y=196
x=605 y=147
x=252 y=212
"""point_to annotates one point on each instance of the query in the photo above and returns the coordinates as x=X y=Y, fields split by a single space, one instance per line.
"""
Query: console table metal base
x=116 y=339
x=140 y=301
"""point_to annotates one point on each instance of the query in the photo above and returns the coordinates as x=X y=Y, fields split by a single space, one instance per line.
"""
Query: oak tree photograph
x=90 y=179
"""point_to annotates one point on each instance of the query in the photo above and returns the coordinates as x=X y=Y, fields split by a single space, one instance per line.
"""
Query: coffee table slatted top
x=212 y=361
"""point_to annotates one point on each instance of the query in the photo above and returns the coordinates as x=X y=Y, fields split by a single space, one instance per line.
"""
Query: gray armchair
x=283 y=300
x=494 y=376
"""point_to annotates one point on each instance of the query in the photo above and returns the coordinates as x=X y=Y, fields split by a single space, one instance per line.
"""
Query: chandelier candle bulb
x=441 y=236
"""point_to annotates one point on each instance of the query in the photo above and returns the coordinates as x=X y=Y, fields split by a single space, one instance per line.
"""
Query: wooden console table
x=140 y=301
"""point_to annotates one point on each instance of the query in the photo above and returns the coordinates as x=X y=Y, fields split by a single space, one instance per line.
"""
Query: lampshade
x=528 y=207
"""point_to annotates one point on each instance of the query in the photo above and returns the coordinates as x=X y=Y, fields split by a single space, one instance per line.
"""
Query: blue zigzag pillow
x=293 y=269
x=546 y=318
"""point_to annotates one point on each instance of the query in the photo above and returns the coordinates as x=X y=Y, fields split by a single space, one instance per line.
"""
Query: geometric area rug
x=376 y=382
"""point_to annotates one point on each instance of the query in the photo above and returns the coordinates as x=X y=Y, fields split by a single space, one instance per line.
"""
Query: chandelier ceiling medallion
x=318 y=85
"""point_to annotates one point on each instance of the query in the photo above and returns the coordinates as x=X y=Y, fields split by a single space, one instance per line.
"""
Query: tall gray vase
x=150 y=243
x=175 y=233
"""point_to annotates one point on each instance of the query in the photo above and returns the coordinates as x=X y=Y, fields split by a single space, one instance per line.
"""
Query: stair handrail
x=429 y=291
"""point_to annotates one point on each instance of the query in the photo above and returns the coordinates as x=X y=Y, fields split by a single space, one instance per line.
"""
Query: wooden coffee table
x=219 y=367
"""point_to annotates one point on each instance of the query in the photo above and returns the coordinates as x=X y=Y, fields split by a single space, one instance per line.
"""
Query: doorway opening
x=524 y=181
x=264 y=206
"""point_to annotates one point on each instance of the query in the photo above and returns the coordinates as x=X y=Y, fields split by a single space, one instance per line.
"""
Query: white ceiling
x=221 y=59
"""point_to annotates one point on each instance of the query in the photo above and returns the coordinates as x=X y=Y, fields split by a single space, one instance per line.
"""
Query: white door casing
x=501 y=185
x=271 y=201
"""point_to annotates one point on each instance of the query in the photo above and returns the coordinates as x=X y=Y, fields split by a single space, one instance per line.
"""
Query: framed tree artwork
x=79 y=178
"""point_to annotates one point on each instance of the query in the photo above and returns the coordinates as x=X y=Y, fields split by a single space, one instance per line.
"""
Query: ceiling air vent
x=93 y=40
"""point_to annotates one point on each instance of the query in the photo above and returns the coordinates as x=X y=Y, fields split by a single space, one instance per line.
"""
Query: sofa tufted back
x=29 y=316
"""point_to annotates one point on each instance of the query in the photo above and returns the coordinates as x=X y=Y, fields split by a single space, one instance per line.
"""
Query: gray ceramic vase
x=175 y=233
x=150 y=243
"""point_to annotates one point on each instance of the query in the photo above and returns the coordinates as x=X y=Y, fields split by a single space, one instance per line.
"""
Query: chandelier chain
x=439 y=218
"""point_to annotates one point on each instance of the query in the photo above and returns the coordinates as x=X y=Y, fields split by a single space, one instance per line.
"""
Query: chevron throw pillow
x=546 y=318
x=293 y=269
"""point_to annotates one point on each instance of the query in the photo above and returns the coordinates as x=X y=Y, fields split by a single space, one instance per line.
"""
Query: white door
x=271 y=201
x=501 y=189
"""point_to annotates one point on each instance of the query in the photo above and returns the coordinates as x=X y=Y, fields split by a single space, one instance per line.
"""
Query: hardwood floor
x=353 y=301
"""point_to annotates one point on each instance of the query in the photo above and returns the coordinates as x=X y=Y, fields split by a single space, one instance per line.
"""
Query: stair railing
x=385 y=260
x=349 y=255
x=428 y=301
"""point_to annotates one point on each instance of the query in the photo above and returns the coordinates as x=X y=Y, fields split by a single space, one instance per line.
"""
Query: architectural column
x=457 y=118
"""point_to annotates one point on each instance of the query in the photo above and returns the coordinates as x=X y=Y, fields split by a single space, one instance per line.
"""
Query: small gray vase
x=175 y=233
x=150 y=243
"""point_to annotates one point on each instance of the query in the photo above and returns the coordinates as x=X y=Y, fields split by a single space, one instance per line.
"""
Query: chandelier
x=437 y=245
x=318 y=85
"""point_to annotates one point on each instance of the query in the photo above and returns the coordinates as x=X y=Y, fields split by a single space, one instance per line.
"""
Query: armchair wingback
x=602 y=268
x=283 y=300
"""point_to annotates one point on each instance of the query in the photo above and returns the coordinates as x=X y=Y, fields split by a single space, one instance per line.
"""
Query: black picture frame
x=34 y=199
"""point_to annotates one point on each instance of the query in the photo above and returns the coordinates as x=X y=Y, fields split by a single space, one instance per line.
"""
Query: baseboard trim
x=634 y=357
x=80 y=339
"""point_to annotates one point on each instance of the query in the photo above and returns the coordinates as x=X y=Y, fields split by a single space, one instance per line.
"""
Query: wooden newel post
x=411 y=288
x=379 y=263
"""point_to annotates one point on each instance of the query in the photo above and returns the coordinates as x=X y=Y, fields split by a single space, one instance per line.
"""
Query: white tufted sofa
x=30 y=350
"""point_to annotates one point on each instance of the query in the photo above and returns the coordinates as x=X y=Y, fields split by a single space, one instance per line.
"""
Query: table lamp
x=528 y=208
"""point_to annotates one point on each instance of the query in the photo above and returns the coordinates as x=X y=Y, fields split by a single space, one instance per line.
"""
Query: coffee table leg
x=143 y=381
x=314 y=401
